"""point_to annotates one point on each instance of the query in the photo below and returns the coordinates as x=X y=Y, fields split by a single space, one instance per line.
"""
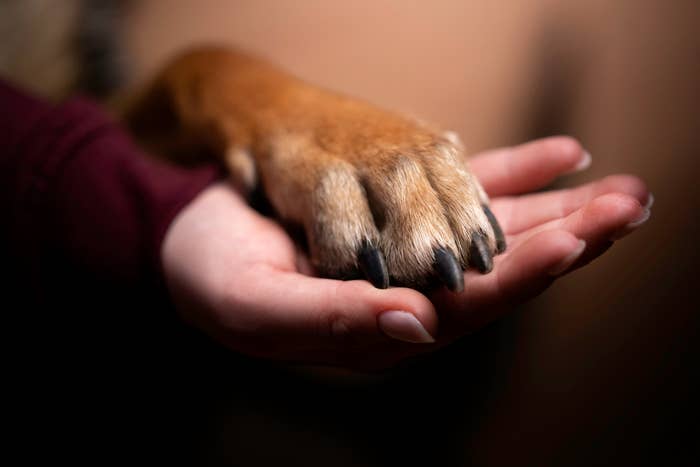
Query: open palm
x=238 y=275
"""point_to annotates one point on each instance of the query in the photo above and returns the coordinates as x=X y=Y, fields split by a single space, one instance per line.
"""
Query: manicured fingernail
x=650 y=201
x=632 y=226
x=584 y=163
x=403 y=326
x=570 y=259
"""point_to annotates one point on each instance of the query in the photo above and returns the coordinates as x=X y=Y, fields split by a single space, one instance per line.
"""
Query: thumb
x=287 y=311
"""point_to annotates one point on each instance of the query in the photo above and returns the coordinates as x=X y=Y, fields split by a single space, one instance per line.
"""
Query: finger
x=523 y=273
x=312 y=315
x=599 y=222
x=527 y=167
x=526 y=212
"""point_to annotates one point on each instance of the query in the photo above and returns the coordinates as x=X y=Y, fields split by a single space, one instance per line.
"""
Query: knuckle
x=334 y=326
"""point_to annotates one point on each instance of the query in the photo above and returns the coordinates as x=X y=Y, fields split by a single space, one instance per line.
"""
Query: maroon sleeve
x=75 y=190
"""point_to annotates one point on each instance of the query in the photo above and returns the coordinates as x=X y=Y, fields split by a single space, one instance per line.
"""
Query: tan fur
x=348 y=172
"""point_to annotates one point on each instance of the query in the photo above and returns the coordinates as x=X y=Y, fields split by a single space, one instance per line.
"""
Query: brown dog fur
x=349 y=173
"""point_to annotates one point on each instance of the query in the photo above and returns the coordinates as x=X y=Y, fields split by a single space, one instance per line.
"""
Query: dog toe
x=449 y=270
x=497 y=230
x=480 y=254
x=373 y=266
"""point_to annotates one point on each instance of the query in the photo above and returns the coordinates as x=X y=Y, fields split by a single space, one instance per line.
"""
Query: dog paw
x=377 y=195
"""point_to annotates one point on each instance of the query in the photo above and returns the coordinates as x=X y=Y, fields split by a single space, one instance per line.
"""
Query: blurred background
x=599 y=370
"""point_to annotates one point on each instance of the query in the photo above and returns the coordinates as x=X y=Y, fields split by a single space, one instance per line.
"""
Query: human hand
x=238 y=275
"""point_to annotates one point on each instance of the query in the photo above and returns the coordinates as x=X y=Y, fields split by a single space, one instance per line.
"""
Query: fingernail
x=632 y=226
x=566 y=263
x=650 y=201
x=584 y=163
x=403 y=326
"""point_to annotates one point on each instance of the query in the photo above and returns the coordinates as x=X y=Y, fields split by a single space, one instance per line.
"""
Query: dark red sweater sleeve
x=78 y=196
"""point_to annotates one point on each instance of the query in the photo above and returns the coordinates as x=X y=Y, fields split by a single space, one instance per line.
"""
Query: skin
x=238 y=276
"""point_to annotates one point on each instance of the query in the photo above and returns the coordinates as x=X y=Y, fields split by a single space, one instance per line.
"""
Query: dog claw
x=480 y=254
x=448 y=269
x=497 y=231
x=373 y=266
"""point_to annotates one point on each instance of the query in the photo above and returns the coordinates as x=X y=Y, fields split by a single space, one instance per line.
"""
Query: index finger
x=520 y=169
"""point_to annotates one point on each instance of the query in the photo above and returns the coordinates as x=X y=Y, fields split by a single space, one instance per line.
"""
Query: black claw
x=497 y=231
x=373 y=266
x=448 y=269
x=480 y=254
